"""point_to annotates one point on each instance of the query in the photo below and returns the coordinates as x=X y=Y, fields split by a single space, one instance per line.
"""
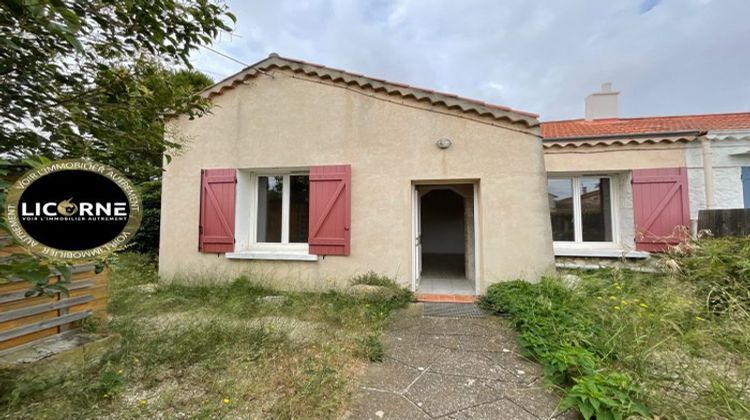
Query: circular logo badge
x=73 y=209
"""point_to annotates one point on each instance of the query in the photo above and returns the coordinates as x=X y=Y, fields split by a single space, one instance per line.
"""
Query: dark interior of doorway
x=447 y=239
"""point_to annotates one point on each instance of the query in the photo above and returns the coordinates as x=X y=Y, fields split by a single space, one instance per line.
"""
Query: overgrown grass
x=620 y=339
x=212 y=352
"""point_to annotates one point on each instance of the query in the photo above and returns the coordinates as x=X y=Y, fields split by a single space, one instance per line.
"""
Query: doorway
x=444 y=240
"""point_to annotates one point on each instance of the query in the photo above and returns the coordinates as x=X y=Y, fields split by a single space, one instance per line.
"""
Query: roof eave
x=335 y=75
x=685 y=133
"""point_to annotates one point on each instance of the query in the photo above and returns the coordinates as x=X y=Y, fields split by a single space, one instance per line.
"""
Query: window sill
x=597 y=250
x=268 y=255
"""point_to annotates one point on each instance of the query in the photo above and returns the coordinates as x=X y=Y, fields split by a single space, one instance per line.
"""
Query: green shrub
x=606 y=396
x=541 y=311
x=556 y=330
x=569 y=362
x=146 y=240
x=677 y=343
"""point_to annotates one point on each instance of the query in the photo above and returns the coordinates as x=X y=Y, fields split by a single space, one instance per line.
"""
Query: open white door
x=417 y=230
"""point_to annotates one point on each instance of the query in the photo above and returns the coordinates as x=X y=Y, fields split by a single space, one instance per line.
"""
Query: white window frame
x=578 y=241
x=246 y=219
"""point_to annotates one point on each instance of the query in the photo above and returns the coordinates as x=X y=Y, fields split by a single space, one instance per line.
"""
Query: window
x=281 y=210
x=273 y=210
x=560 y=194
x=581 y=208
x=299 y=208
x=270 y=202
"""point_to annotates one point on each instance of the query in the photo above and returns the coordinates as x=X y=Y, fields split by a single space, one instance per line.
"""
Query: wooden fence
x=25 y=320
x=725 y=222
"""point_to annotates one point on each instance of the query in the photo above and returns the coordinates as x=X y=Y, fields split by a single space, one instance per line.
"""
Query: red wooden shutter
x=216 y=229
x=660 y=202
x=330 y=209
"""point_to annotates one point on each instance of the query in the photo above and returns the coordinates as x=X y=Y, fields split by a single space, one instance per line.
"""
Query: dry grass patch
x=211 y=352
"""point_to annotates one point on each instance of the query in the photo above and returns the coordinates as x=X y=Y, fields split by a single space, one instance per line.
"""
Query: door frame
x=416 y=238
x=415 y=218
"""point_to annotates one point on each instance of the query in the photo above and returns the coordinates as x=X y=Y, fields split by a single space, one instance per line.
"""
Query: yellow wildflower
x=143 y=402
x=624 y=302
x=699 y=318
x=617 y=308
x=612 y=298
x=226 y=401
x=643 y=305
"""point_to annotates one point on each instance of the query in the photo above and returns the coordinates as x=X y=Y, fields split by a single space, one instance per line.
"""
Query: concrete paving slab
x=439 y=394
x=416 y=351
x=472 y=364
x=452 y=368
x=388 y=375
x=539 y=401
x=377 y=405
x=500 y=409
x=524 y=369
x=493 y=344
x=445 y=341
x=459 y=326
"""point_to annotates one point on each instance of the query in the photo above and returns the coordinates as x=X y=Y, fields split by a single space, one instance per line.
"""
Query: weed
x=372 y=278
x=210 y=350
x=622 y=341
x=720 y=268
x=372 y=348
x=554 y=331
x=391 y=294
x=606 y=396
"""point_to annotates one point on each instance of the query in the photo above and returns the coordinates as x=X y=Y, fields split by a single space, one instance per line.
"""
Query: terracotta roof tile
x=365 y=82
x=645 y=125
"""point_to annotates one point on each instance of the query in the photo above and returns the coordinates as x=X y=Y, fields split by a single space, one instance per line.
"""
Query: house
x=623 y=187
x=309 y=175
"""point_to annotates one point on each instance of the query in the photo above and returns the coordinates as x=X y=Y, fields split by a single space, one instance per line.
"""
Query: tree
x=129 y=133
x=64 y=64
x=92 y=79
x=127 y=126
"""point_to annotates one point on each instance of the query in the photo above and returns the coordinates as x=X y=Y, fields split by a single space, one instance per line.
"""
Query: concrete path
x=452 y=368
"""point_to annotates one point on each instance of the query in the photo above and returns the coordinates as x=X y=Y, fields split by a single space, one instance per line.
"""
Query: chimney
x=600 y=105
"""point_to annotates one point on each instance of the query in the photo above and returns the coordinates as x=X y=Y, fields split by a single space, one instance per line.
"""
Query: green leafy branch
x=17 y=264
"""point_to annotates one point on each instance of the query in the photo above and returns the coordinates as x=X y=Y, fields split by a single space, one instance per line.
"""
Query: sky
x=666 y=57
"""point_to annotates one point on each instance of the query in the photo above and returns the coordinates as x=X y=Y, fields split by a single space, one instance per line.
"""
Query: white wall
x=729 y=155
x=625 y=215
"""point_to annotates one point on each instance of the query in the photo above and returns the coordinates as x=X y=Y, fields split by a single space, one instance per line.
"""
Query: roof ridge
x=406 y=85
x=447 y=99
x=717 y=114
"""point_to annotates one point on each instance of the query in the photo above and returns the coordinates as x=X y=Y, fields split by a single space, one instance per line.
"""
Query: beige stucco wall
x=289 y=121
x=614 y=157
